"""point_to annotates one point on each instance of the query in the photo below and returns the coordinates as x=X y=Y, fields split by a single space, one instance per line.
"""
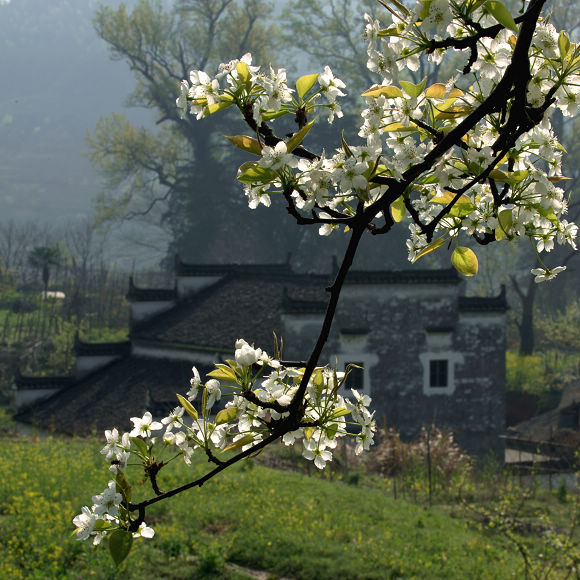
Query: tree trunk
x=526 y=324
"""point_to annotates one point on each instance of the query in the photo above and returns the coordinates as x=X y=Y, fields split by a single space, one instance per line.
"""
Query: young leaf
x=269 y=115
x=305 y=83
x=331 y=430
x=464 y=261
x=431 y=247
x=123 y=486
x=413 y=90
x=388 y=91
x=308 y=432
x=398 y=127
x=223 y=373
x=253 y=172
x=140 y=445
x=340 y=413
x=563 y=44
x=345 y=146
x=190 y=409
x=501 y=14
x=226 y=415
x=511 y=177
x=452 y=112
x=246 y=143
x=245 y=440
x=398 y=209
x=506 y=220
x=297 y=138
x=211 y=109
x=243 y=71
x=439 y=91
x=394 y=31
x=120 y=543
x=100 y=526
x=462 y=207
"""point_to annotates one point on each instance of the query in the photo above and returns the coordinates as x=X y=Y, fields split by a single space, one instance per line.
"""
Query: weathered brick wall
x=394 y=329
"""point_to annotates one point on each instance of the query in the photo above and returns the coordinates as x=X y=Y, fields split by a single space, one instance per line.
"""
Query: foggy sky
x=57 y=80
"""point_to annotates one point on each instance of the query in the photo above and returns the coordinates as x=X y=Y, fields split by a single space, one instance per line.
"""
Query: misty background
x=57 y=80
x=60 y=84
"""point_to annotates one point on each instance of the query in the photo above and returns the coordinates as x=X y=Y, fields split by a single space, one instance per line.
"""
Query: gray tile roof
x=110 y=397
x=241 y=305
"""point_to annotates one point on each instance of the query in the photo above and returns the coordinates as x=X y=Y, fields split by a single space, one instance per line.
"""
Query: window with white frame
x=359 y=375
x=439 y=372
x=356 y=375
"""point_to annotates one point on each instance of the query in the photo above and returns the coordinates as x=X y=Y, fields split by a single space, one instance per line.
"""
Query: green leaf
x=505 y=219
x=398 y=209
x=340 y=413
x=510 y=177
x=100 y=526
x=308 y=432
x=140 y=445
x=413 y=90
x=245 y=440
x=398 y=127
x=345 y=146
x=120 y=543
x=501 y=14
x=189 y=408
x=123 y=486
x=211 y=109
x=331 y=430
x=223 y=373
x=546 y=212
x=394 y=31
x=226 y=415
x=389 y=91
x=461 y=208
x=297 y=138
x=563 y=44
x=243 y=71
x=269 y=115
x=305 y=83
x=253 y=172
x=452 y=112
x=464 y=261
x=425 y=9
x=318 y=378
x=246 y=143
x=430 y=247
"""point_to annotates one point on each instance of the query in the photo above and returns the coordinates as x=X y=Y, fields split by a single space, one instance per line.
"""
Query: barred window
x=438 y=373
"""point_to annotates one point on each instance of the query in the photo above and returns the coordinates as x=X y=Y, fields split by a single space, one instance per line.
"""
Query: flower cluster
x=499 y=179
x=260 y=391
x=104 y=517
x=267 y=93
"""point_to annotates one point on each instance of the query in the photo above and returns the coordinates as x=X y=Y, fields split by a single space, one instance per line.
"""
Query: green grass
x=286 y=523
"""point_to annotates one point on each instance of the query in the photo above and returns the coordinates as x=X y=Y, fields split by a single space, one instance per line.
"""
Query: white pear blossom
x=144 y=426
x=144 y=531
x=108 y=501
x=330 y=85
x=85 y=523
x=277 y=157
x=544 y=274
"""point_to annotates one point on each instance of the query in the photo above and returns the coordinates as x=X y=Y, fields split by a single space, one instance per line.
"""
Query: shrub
x=437 y=446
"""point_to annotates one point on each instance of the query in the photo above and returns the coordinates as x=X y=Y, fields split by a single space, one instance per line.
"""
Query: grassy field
x=285 y=523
